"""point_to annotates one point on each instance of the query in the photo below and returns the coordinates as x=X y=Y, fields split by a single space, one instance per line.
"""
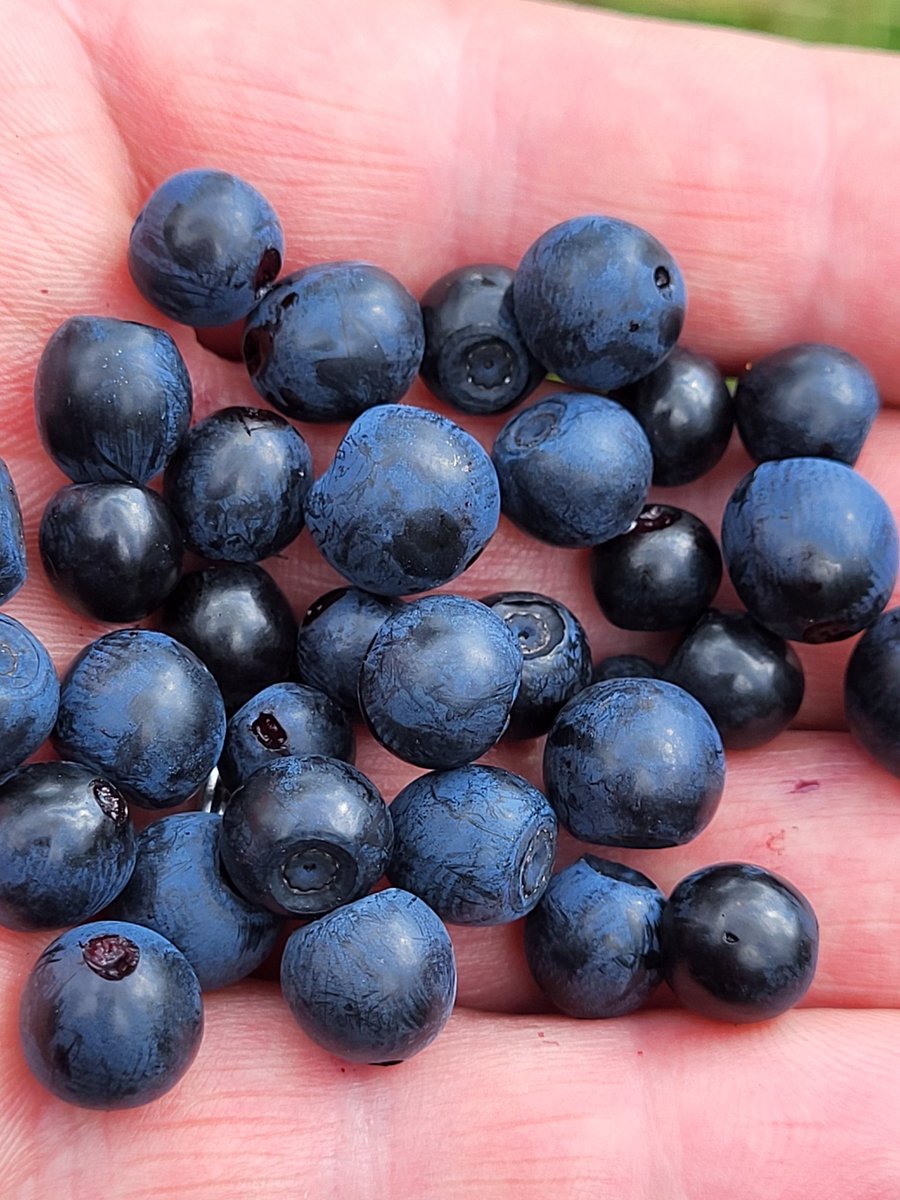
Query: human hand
x=422 y=136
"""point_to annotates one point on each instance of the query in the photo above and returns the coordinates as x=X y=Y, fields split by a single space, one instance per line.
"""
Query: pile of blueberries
x=228 y=707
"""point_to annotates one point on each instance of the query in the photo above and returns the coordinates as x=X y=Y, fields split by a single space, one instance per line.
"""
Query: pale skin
x=422 y=136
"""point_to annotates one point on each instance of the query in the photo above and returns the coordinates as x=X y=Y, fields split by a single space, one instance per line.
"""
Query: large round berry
x=13 y=564
x=872 y=690
x=29 y=693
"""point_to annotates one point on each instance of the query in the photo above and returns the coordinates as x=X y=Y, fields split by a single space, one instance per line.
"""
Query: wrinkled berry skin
x=872 y=690
x=67 y=845
x=143 y=711
x=802 y=401
x=238 y=622
x=373 y=981
x=13 y=561
x=625 y=666
x=112 y=550
x=116 y=1039
x=475 y=356
x=409 y=501
x=282 y=721
x=438 y=682
x=476 y=844
x=304 y=835
x=29 y=694
x=333 y=340
x=661 y=574
x=178 y=889
x=204 y=246
x=574 y=469
x=739 y=943
x=748 y=679
x=239 y=483
x=556 y=658
x=634 y=762
x=592 y=943
x=687 y=413
x=112 y=400
x=811 y=548
x=599 y=302
x=333 y=639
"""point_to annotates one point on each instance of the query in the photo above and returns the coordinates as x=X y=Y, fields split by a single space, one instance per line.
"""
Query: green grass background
x=856 y=22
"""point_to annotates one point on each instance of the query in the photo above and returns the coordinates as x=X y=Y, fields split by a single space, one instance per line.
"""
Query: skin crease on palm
x=422 y=135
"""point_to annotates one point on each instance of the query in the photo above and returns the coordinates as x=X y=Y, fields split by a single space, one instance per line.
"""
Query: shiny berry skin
x=438 y=682
x=330 y=341
x=112 y=400
x=304 y=835
x=574 y=469
x=872 y=690
x=739 y=943
x=625 y=666
x=475 y=843
x=113 y=551
x=592 y=943
x=634 y=762
x=811 y=548
x=660 y=574
x=373 y=981
x=29 y=693
x=475 y=357
x=600 y=302
x=13 y=560
x=204 y=246
x=556 y=658
x=110 y=1016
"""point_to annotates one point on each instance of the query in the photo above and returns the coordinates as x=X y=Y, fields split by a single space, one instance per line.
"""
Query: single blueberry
x=625 y=666
x=111 y=1016
x=373 y=981
x=409 y=501
x=179 y=889
x=112 y=399
x=739 y=943
x=144 y=712
x=29 y=694
x=13 y=561
x=592 y=943
x=811 y=548
x=239 y=483
x=599 y=302
x=330 y=341
x=634 y=762
x=872 y=690
x=574 y=469
x=204 y=247
x=439 y=680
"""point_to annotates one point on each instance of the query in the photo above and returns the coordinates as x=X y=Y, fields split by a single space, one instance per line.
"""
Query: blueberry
x=475 y=357
x=204 y=246
x=29 y=694
x=749 y=680
x=592 y=943
x=331 y=341
x=806 y=401
x=334 y=637
x=556 y=658
x=811 y=548
x=284 y=720
x=374 y=981
x=600 y=302
x=304 y=835
x=238 y=622
x=144 y=712
x=476 y=844
x=872 y=690
x=739 y=943
x=112 y=399
x=239 y=483
x=625 y=666
x=660 y=574
x=66 y=845
x=112 y=550
x=634 y=762
x=574 y=469
x=408 y=503
x=13 y=562
x=111 y=1016
x=178 y=888
x=439 y=680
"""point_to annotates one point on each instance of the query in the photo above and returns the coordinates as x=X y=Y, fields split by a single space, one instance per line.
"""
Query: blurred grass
x=873 y=23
